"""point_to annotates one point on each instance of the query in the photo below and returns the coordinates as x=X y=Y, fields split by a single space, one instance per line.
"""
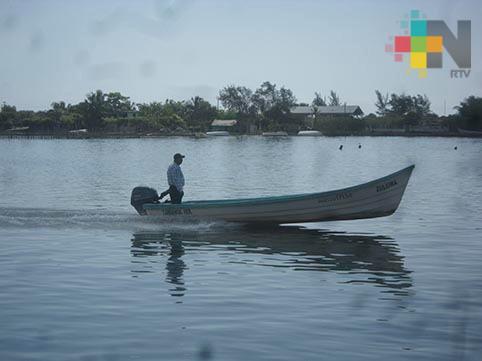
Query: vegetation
x=318 y=101
x=265 y=109
x=470 y=113
x=339 y=125
x=400 y=111
x=268 y=108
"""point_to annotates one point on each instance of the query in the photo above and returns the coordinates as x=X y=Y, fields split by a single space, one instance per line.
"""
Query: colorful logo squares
x=425 y=51
x=419 y=60
x=429 y=44
x=423 y=43
x=434 y=44
x=418 y=44
x=402 y=44
x=418 y=28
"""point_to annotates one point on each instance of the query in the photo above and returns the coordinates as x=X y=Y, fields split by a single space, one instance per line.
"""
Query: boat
x=18 y=129
x=217 y=133
x=378 y=198
x=274 y=134
x=476 y=133
x=78 y=131
x=309 y=133
x=199 y=135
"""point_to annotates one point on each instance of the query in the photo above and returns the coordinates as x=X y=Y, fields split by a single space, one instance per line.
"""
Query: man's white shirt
x=175 y=176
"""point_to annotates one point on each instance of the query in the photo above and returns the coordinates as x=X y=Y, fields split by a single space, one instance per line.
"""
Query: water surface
x=83 y=277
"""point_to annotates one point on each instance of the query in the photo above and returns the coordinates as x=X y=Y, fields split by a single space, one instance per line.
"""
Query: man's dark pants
x=176 y=196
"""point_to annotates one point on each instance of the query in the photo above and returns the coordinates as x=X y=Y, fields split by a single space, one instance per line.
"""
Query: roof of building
x=339 y=109
x=224 y=122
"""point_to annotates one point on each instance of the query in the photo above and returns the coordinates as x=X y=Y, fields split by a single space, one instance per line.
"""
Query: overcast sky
x=153 y=50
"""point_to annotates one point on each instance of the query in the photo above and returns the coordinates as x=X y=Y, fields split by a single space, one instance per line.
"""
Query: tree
x=400 y=104
x=117 y=105
x=93 y=109
x=8 y=116
x=470 y=113
x=318 y=101
x=411 y=109
x=152 y=112
x=265 y=96
x=403 y=104
x=381 y=103
x=285 y=99
x=421 y=105
x=171 y=114
x=199 y=113
x=59 y=106
x=273 y=107
x=334 y=99
x=237 y=99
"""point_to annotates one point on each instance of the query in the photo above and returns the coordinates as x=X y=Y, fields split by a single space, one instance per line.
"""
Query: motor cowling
x=143 y=195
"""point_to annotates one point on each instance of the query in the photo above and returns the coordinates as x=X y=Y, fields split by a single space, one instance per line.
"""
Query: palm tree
x=94 y=109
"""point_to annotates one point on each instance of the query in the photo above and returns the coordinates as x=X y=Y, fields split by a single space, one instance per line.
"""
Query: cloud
x=107 y=70
x=147 y=68
x=82 y=58
x=9 y=22
x=37 y=41
x=164 y=21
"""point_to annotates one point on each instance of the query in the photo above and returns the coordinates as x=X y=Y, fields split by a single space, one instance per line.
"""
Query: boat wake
x=96 y=219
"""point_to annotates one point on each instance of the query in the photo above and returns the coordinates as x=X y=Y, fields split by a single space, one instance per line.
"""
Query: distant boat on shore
x=78 y=131
x=18 y=129
x=217 y=133
x=309 y=133
x=199 y=135
x=470 y=132
x=274 y=134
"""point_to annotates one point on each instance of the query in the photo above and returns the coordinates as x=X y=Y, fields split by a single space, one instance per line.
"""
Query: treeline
x=265 y=109
x=114 y=112
x=406 y=111
x=268 y=108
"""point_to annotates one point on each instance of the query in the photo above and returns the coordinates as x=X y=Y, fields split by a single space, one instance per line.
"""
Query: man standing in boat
x=175 y=178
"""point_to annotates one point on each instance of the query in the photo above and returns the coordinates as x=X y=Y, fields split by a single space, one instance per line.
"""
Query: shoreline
x=4 y=135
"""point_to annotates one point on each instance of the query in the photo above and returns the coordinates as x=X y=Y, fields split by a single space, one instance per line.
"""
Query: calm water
x=82 y=277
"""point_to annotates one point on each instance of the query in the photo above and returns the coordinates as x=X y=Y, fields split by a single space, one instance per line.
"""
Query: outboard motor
x=143 y=195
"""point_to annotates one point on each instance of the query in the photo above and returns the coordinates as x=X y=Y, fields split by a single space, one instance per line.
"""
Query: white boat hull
x=377 y=198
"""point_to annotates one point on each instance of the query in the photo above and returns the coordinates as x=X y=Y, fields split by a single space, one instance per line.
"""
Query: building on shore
x=307 y=115
x=223 y=125
x=307 y=112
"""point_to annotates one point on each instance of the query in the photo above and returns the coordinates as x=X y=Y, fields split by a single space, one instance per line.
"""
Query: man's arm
x=170 y=176
x=178 y=179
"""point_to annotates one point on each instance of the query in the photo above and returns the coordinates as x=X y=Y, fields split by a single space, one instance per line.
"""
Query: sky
x=55 y=50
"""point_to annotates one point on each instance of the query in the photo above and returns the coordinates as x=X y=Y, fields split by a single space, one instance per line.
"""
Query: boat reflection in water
x=359 y=258
x=161 y=247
